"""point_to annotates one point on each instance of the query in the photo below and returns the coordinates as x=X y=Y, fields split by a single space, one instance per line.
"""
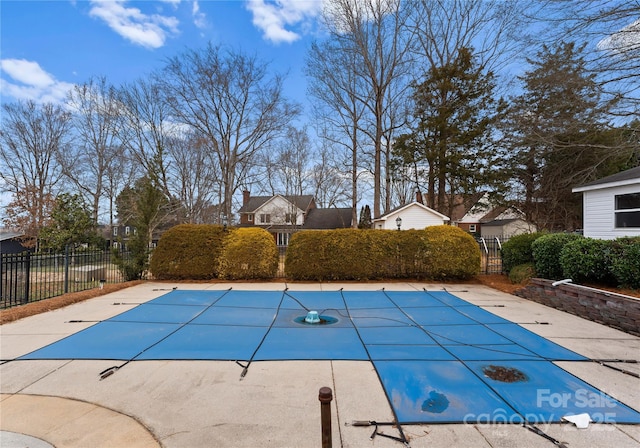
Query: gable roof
x=4 y=236
x=255 y=202
x=406 y=206
x=328 y=218
x=627 y=177
x=501 y=222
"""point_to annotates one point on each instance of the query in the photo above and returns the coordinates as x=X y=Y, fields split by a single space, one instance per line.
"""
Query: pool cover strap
x=111 y=370
x=541 y=433
x=402 y=437
x=245 y=369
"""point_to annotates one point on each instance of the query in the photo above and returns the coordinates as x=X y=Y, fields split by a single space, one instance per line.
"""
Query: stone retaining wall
x=611 y=309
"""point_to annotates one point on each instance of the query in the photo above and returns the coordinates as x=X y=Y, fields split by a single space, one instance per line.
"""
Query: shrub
x=546 y=253
x=517 y=250
x=586 y=260
x=522 y=273
x=188 y=251
x=341 y=254
x=249 y=253
x=625 y=261
x=453 y=253
x=353 y=254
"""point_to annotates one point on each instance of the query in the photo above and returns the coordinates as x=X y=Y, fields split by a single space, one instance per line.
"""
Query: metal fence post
x=66 y=269
x=27 y=277
x=325 y=396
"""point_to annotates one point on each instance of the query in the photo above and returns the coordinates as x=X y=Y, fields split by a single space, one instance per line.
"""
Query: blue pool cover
x=440 y=359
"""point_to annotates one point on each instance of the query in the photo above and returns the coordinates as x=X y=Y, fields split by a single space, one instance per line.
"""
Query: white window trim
x=616 y=211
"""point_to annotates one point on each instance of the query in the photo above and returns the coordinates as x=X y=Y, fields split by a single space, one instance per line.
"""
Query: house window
x=472 y=228
x=289 y=218
x=127 y=230
x=115 y=231
x=250 y=217
x=115 y=244
x=265 y=218
x=627 y=210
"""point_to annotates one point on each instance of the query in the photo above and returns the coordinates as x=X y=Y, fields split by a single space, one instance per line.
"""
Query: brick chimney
x=246 y=195
x=419 y=197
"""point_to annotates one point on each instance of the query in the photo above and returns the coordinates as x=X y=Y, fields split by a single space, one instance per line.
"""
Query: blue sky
x=48 y=46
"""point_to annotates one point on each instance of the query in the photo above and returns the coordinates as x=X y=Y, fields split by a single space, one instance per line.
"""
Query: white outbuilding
x=611 y=205
x=411 y=216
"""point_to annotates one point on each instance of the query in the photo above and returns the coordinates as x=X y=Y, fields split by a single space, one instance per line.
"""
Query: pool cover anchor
x=541 y=433
x=106 y=373
x=375 y=432
x=245 y=369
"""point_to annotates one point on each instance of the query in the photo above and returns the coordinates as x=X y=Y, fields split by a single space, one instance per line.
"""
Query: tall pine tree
x=454 y=109
x=559 y=137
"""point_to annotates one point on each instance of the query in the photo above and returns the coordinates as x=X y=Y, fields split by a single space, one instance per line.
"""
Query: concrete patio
x=169 y=404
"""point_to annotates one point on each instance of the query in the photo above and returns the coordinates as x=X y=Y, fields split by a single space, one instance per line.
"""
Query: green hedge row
x=438 y=252
x=202 y=252
x=585 y=260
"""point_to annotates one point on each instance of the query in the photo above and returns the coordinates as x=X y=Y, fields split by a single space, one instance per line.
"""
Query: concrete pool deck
x=205 y=403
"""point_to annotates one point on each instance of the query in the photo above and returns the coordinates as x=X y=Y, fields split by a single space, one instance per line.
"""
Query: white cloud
x=147 y=30
x=30 y=82
x=273 y=17
x=199 y=18
x=624 y=42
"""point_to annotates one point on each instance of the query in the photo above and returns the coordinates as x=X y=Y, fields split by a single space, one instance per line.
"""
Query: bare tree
x=287 y=163
x=194 y=179
x=341 y=97
x=229 y=99
x=330 y=182
x=32 y=136
x=609 y=30
x=145 y=127
x=372 y=33
x=443 y=27
x=95 y=121
x=121 y=172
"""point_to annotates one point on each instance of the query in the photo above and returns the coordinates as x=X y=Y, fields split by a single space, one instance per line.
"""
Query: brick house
x=283 y=215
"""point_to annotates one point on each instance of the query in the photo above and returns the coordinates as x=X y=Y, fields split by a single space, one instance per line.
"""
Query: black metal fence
x=28 y=277
x=491 y=250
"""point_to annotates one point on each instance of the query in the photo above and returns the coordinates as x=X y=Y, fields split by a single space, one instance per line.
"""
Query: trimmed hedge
x=188 y=251
x=586 y=260
x=517 y=250
x=546 y=253
x=353 y=254
x=625 y=261
x=249 y=253
x=453 y=253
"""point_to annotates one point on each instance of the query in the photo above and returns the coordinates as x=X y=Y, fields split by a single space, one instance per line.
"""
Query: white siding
x=278 y=207
x=413 y=217
x=599 y=218
x=510 y=229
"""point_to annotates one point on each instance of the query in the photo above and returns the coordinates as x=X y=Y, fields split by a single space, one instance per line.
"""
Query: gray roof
x=4 y=236
x=633 y=173
x=328 y=218
x=500 y=222
x=255 y=202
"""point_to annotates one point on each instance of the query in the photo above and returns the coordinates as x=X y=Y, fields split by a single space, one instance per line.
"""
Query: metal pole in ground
x=325 y=396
